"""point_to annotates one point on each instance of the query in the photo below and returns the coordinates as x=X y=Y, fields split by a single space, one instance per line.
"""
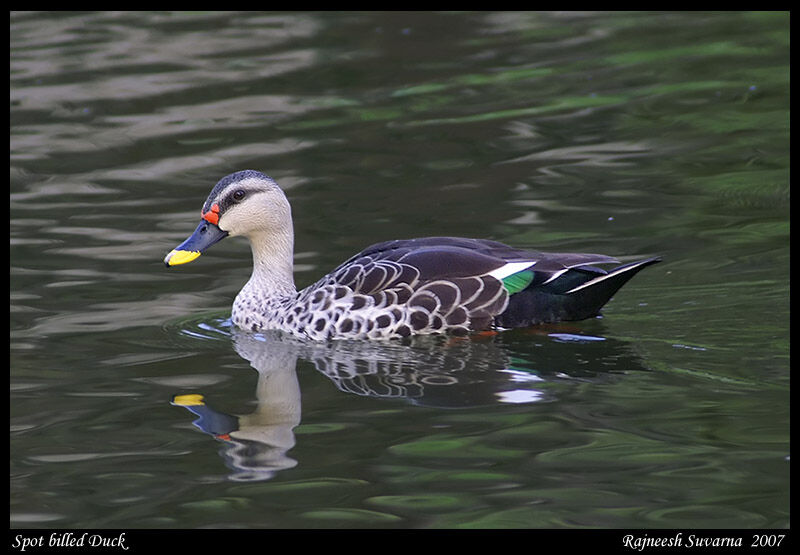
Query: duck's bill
x=191 y=400
x=203 y=237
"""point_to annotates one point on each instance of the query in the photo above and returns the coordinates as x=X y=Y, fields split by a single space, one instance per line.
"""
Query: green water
x=628 y=134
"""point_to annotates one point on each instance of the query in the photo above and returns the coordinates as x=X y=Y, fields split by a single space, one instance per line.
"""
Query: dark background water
x=629 y=134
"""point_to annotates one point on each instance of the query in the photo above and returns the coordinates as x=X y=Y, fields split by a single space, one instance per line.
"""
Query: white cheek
x=231 y=226
x=241 y=220
x=228 y=223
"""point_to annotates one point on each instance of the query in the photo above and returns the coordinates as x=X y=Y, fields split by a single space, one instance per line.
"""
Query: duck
x=398 y=288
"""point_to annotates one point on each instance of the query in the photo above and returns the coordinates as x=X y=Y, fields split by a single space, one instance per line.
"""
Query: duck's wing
x=465 y=282
x=454 y=257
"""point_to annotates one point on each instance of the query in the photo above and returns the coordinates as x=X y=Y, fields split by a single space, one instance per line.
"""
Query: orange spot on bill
x=212 y=215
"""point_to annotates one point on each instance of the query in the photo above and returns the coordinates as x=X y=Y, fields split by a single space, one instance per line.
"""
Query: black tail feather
x=541 y=304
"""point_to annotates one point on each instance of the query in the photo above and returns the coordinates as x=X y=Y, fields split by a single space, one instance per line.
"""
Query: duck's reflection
x=430 y=371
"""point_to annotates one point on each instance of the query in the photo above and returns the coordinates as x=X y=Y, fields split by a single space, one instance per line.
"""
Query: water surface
x=629 y=134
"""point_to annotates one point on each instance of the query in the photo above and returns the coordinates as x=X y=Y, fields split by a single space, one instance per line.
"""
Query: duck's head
x=245 y=203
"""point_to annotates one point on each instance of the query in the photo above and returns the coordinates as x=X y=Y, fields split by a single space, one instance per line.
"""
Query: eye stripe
x=235 y=181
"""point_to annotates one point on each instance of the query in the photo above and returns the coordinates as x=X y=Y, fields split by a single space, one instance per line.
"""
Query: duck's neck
x=273 y=265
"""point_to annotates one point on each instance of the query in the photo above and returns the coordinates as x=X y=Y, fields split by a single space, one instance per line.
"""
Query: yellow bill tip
x=193 y=399
x=176 y=257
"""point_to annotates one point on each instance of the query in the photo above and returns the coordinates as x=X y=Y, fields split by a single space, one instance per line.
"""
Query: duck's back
x=451 y=285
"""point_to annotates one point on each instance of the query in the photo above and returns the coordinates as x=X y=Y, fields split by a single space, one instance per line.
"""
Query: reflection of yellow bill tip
x=192 y=399
x=176 y=257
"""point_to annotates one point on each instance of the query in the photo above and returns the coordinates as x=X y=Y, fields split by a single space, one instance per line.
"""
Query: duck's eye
x=238 y=195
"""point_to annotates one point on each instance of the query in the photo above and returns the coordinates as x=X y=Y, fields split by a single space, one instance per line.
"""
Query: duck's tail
x=590 y=288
